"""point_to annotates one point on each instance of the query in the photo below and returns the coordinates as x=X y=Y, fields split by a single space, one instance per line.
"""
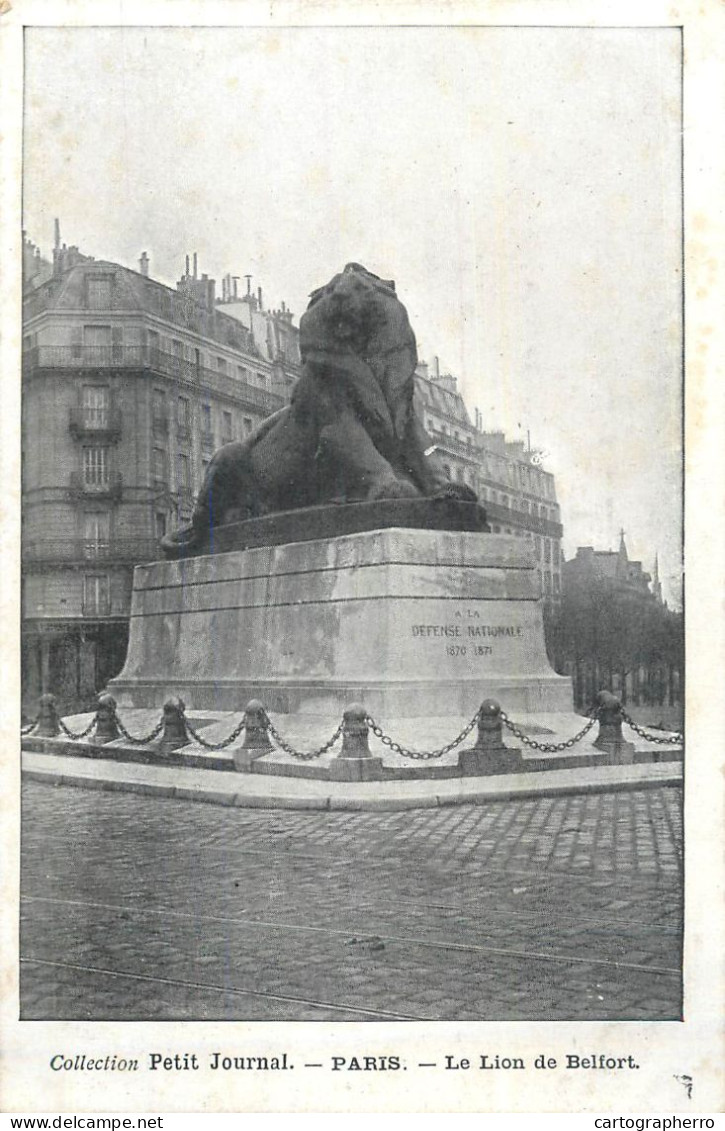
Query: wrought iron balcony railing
x=79 y=487
x=96 y=422
x=84 y=358
x=92 y=551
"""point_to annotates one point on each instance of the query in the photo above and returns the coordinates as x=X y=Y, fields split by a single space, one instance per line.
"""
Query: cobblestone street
x=557 y=908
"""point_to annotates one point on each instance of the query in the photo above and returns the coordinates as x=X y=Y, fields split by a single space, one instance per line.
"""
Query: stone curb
x=221 y=788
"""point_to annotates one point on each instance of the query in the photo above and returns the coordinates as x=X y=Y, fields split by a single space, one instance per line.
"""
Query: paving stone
x=221 y=902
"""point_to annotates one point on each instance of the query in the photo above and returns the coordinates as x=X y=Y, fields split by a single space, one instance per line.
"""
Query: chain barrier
x=420 y=755
x=31 y=726
x=81 y=734
x=546 y=747
x=139 y=741
x=304 y=756
x=215 y=745
x=661 y=740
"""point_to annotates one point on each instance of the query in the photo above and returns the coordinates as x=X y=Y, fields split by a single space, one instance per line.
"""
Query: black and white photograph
x=353 y=454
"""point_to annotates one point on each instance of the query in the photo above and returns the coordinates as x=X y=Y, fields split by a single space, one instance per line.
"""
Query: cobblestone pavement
x=553 y=908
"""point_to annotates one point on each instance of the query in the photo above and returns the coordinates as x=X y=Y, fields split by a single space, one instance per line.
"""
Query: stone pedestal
x=410 y=623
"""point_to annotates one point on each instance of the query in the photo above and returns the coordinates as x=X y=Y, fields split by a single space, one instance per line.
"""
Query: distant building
x=625 y=577
x=128 y=388
x=518 y=494
x=616 y=632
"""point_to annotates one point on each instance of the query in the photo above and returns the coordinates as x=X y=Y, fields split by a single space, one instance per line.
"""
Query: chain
x=420 y=755
x=31 y=726
x=546 y=747
x=301 y=754
x=215 y=745
x=81 y=734
x=671 y=740
x=140 y=741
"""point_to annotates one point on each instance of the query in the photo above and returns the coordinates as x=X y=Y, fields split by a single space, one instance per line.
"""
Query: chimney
x=436 y=368
x=224 y=288
x=187 y=267
x=235 y=279
x=143 y=264
x=249 y=285
x=57 y=234
x=259 y=296
x=194 y=264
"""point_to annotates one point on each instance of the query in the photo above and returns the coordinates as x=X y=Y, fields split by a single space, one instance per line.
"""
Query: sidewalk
x=230 y=788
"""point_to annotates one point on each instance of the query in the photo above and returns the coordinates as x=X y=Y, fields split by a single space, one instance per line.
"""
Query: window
x=221 y=365
x=96 y=467
x=243 y=373
x=160 y=524
x=248 y=426
x=182 y=414
x=96 y=345
x=226 y=427
x=98 y=292
x=96 y=534
x=158 y=407
x=154 y=346
x=261 y=378
x=183 y=479
x=96 y=596
x=158 y=466
x=95 y=406
x=206 y=419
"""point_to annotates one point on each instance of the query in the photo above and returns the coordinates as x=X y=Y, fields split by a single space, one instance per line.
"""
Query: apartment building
x=518 y=493
x=128 y=388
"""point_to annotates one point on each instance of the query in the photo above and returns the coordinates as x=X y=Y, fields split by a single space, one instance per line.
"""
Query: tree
x=609 y=636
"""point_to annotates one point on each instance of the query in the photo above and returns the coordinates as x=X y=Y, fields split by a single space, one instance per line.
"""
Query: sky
x=521 y=185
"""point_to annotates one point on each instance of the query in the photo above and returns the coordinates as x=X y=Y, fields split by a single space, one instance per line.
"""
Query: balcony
x=115 y=551
x=84 y=359
x=495 y=512
x=101 y=424
x=445 y=443
x=79 y=489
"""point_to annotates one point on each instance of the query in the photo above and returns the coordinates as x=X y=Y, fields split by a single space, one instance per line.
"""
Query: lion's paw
x=392 y=488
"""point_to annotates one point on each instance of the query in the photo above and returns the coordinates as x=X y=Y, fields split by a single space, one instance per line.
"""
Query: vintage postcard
x=362 y=589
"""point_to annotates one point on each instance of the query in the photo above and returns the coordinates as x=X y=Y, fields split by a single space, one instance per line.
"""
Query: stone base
x=309 y=524
x=618 y=753
x=410 y=623
x=355 y=769
x=499 y=760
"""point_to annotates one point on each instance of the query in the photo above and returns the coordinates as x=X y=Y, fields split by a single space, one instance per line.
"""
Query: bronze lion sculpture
x=350 y=433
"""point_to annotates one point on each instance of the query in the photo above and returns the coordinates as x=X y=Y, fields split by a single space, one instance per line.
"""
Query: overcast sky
x=522 y=186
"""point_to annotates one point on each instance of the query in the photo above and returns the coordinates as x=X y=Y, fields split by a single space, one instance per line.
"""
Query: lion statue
x=349 y=434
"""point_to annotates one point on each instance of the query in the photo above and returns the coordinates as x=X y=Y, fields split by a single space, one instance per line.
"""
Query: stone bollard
x=610 y=738
x=256 y=736
x=355 y=762
x=106 y=725
x=174 y=734
x=47 y=717
x=489 y=755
